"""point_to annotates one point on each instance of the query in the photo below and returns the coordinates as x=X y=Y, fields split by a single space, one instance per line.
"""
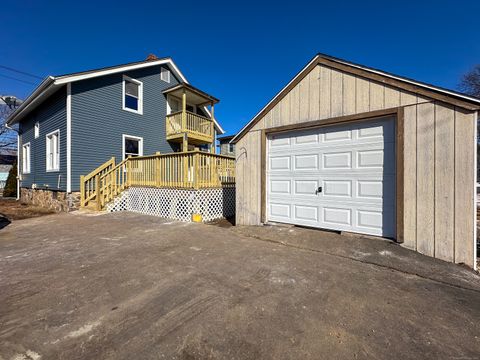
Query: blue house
x=76 y=128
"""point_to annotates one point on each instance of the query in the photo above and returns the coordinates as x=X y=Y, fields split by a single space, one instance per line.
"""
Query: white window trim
x=46 y=151
x=165 y=70
x=140 y=95
x=26 y=170
x=36 y=130
x=140 y=144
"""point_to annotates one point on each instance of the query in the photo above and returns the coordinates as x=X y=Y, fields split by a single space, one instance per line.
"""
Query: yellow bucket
x=197 y=218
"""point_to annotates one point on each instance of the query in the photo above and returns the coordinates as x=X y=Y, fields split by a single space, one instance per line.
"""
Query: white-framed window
x=165 y=74
x=53 y=151
x=37 y=129
x=132 y=98
x=132 y=146
x=26 y=158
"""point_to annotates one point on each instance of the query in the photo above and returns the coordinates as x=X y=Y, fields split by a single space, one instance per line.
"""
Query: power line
x=21 y=72
x=13 y=78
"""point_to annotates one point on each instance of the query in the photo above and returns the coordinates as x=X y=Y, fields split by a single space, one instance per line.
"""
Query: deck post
x=82 y=191
x=158 y=179
x=97 y=192
x=184 y=120
x=212 y=129
x=196 y=168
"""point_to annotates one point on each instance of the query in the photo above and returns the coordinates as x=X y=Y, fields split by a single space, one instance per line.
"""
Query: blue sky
x=241 y=52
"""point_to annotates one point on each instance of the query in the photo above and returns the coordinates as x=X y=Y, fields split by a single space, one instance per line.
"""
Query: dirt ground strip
x=129 y=286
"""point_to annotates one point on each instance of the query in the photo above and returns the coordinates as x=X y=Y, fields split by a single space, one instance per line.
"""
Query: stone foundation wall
x=50 y=199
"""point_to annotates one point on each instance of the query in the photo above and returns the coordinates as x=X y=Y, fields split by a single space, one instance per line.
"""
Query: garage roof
x=434 y=92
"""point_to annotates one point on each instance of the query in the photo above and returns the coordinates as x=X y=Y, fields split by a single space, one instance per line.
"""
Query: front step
x=92 y=205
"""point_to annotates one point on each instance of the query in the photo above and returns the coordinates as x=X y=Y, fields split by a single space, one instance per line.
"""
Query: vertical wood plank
x=295 y=104
x=336 y=97
x=239 y=181
x=410 y=178
x=377 y=96
x=284 y=111
x=304 y=97
x=325 y=74
x=444 y=182
x=362 y=95
x=314 y=99
x=465 y=148
x=426 y=179
x=348 y=94
x=392 y=97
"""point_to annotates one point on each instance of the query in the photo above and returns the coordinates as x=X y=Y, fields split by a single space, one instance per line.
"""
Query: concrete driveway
x=128 y=286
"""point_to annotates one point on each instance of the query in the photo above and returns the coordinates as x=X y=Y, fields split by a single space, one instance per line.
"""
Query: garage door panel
x=307 y=138
x=370 y=158
x=280 y=210
x=336 y=216
x=306 y=187
x=306 y=212
x=335 y=135
x=337 y=160
x=306 y=162
x=353 y=164
x=337 y=188
x=280 y=163
x=280 y=187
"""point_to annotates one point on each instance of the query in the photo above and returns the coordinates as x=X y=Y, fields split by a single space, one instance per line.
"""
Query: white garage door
x=338 y=177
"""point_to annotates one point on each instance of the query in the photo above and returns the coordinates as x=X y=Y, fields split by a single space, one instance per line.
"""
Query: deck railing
x=91 y=182
x=194 y=125
x=186 y=170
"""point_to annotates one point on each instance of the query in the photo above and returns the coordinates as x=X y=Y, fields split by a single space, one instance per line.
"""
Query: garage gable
x=328 y=87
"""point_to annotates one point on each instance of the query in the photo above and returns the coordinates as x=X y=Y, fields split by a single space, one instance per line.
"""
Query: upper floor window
x=165 y=75
x=37 y=130
x=26 y=158
x=132 y=95
x=53 y=151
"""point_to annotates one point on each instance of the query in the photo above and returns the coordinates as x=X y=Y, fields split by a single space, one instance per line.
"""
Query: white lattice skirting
x=176 y=203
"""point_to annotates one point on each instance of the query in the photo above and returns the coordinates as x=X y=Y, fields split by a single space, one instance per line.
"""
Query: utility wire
x=12 y=78
x=21 y=72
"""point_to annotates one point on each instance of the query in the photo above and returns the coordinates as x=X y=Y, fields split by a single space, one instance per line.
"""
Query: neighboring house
x=226 y=148
x=72 y=124
x=351 y=148
x=6 y=163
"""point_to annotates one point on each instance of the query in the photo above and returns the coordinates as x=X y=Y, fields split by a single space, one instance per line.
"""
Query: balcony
x=189 y=121
x=199 y=129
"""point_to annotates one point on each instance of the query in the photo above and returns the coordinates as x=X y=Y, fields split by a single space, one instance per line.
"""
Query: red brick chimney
x=151 y=57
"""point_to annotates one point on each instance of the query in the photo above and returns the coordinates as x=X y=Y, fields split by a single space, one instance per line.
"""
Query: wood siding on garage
x=439 y=156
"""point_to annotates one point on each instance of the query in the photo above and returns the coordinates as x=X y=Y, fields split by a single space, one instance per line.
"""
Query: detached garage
x=350 y=148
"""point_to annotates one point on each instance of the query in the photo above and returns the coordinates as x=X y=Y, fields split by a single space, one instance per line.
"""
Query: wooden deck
x=185 y=170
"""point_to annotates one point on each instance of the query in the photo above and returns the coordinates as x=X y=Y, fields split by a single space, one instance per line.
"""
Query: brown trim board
x=399 y=153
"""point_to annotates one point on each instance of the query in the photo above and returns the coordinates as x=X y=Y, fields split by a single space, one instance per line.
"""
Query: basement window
x=132 y=95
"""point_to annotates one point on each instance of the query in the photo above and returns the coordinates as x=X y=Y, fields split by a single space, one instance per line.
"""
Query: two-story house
x=73 y=124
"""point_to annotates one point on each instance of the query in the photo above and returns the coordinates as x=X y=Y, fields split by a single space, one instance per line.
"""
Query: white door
x=338 y=177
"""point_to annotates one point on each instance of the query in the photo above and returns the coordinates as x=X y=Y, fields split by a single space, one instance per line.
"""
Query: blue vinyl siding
x=98 y=120
x=51 y=116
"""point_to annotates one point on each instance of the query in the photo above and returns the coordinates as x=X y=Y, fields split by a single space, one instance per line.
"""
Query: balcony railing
x=197 y=127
